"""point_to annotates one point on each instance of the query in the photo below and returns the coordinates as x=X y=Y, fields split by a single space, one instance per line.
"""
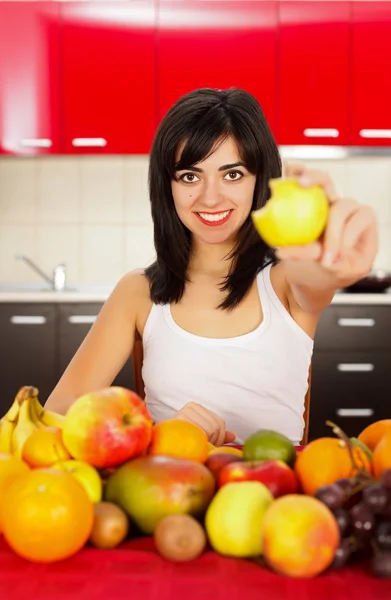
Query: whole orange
x=381 y=459
x=44 y=448
x=46 y=515
x=324 y=461
x=180 y=439
x=371 y=435
x=10 y=468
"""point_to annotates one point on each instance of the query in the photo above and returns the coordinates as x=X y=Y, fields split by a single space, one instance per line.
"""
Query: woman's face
x=214 y=197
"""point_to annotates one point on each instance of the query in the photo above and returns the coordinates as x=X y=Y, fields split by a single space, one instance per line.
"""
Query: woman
x=227 y=323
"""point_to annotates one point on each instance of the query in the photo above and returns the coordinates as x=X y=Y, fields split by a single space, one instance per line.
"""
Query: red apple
x=275 y=474
x=216 y=462
x=107 y=428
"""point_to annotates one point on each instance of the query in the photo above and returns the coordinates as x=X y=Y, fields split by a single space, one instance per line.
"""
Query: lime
x=267 y=445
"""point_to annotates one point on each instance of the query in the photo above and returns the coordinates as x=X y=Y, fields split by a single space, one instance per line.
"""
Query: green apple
x=234 y=518
x=86 y=475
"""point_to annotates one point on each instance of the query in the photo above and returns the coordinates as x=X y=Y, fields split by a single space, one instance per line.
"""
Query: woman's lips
x=214 y=219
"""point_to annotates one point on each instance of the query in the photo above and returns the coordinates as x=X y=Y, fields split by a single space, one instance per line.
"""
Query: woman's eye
x=234 y=175
x=189 y=177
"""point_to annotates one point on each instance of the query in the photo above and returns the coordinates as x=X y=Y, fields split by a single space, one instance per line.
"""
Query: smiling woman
x=227 y=328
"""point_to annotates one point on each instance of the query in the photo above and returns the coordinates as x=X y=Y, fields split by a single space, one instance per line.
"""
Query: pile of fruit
x=105 y=472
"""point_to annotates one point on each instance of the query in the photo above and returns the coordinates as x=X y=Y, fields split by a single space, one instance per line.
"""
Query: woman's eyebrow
x=223 y=168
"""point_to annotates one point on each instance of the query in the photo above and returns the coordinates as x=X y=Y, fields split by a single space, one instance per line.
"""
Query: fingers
x=310 y=177
x=340 y=213
x=212 y=424
x=309 y=252
x=229 y=437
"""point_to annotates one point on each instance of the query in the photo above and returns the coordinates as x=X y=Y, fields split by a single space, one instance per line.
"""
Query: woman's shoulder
x=133 y=287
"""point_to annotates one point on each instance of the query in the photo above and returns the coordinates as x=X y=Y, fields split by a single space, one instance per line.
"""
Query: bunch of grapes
x=362 y=509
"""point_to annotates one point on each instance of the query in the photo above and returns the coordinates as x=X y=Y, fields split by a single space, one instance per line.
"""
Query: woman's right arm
x=106 y=347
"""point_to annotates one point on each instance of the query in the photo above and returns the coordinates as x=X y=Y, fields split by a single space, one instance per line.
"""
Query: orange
x=371 y=435
x=44 y=448
x=46 y=515
x=180 y=439
x=10 y=468
x=381 y=459
x=324 y=461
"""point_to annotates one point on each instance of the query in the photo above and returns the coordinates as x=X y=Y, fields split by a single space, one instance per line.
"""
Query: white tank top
x=253 y=381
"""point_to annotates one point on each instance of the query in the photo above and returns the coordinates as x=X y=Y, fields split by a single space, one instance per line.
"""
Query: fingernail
x=328 y=259
x=305 y=181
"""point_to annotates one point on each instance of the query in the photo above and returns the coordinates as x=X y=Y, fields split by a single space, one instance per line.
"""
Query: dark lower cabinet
x=28 y=349
x=37 y=342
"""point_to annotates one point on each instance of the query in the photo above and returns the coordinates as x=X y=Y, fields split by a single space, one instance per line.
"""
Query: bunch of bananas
x=25 y=416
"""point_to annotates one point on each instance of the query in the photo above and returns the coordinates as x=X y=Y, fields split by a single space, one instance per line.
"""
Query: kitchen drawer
x=349 y=388
x=365 y=327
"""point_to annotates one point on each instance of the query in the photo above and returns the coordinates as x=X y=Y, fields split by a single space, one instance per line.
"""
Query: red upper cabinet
x=370 y=115
x=313 y=68
x=29 y=78
x=108 y=70
x=208 y=43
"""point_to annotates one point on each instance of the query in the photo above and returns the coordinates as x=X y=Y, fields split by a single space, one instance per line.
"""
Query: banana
x=7 y=426
x=51 y=419
x=36 y=411
x=24 y=427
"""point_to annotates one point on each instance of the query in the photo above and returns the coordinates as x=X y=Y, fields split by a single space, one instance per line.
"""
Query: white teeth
x=217 y=217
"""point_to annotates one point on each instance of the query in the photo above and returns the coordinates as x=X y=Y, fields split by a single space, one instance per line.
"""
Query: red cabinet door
x=108 y=76
x=208 y=43
x=370 y=115
x=313 y=67
x=29 y=78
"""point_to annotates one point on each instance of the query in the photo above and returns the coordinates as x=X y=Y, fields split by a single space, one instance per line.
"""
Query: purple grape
x=343 y=520
x=362 y=520
x=331 y=495
x=383 y=536
x=386 y=479
x=345 y=484
x=376 y=498
x=342 y=555
x=381 y=564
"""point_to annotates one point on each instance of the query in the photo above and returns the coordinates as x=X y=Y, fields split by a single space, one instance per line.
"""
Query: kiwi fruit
x=111 y=525
x=179 y=538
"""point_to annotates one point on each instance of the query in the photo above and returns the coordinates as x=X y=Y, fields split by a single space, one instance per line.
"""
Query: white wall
x=93 y=212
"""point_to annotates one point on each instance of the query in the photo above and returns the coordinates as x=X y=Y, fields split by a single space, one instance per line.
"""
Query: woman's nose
x=211 y=195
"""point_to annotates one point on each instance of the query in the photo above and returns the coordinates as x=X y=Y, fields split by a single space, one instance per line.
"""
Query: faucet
x=57 y=282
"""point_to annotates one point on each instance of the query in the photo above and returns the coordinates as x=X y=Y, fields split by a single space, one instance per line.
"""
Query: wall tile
x=17 y=239
x=137 y=206
x=18 y=191
x=140 y=251
x=369 y=181
x=102 y=254
x=59 y=244
x=58 y=190
x=102 y=190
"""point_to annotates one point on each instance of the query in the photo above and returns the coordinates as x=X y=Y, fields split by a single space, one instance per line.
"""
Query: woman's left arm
x=344 y=254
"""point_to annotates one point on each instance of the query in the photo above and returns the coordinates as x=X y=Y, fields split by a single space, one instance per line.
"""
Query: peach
x=107 y=427
x=44 y=447
x=300 y=536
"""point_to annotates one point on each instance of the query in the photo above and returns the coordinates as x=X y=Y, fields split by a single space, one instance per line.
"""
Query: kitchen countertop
x=89 y=293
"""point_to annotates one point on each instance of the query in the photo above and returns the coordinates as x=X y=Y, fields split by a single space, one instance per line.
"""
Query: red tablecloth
x=134 y=572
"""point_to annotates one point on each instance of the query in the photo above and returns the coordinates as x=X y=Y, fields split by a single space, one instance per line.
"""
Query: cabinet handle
x=27 y=320
x=359 y=322
x=89 y=142
x=82 y=319
x=355 y=367
x=376 y=134
x=355 y=412
x=326 y=133
x=36 y=143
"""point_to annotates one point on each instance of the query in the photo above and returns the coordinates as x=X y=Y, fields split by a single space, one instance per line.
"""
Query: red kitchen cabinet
x=108 y=71
x=313 y=68
x=29 y=78
x=370 y=114
x=208 y=43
